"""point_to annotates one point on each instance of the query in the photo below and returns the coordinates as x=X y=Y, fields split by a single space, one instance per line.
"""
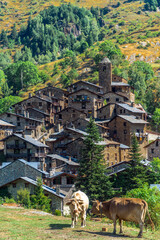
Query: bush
x=23 y=197
x=9 y=200
x=57 y=212
x=152 y=197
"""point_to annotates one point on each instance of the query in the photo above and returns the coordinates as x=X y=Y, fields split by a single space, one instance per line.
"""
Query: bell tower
x=105 y=74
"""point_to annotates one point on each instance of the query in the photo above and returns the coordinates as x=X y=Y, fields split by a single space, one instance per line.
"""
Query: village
x=42 y=136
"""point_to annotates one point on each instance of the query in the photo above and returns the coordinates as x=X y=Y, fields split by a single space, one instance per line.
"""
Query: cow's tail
x=151 y=222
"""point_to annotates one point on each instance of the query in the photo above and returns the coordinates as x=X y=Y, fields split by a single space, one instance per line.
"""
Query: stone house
x=36 y=102
x=23 y=146
x=85 y=85
x=64 y=181
x=58 y=96
x=57 y=140
x=112 y=109
x=6 y=129
x=122 y=127
x=81 y=123
x=153 y=149
x=31 y=126
x=57 y=198
x=57 y=163
x=68 y=115
x=40 y=115
x=85 y=100
x=112 y=97
x=9 y=171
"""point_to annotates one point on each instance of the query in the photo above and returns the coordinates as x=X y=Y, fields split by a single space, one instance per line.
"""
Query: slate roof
x=129 y=108
x=89 y=83
x=133 y=119
x=4 y=123
x=30 y=140
x=40 y=111
x=124 y=146
x=77 y=131
x=21 y=116
x=120 y=84
x=56 y=156
x=84 y=89
x=34 y=165
x=45 y=187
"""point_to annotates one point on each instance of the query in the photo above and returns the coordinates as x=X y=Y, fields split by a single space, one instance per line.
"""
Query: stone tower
x=105 y=74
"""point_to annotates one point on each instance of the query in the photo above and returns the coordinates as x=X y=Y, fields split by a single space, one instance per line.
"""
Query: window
x=107 y=99
x=16 y=151
x=40 y=104
x=8 y=115
x=29 y=104
x=115 y=156
x=26 y=185
x=108 y=156
x=152 y=150
x=115 y=132
x=125 y=131
x=157 y=144
x=83 y=105
x=14 y=185
x=60 y=116
x=121 y=111
x=18 y=124
x=18 y=118
x=124 y=111
x=117 y=99
x=104 y=68
x=16 y=142
x=124 y=124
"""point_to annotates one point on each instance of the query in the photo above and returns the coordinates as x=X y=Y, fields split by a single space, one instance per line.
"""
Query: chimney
x=132 y=104
x=58 y=127
x=58 y=190
x=23 y=135
x=27 y=114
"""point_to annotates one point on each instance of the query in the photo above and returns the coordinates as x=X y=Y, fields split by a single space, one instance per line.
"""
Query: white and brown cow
x=127 y=209
x=78 y=205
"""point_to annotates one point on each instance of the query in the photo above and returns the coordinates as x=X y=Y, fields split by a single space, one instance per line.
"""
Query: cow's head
x=96 y=208
x=75 y=206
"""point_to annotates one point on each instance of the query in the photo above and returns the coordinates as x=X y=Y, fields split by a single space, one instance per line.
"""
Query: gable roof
x=77 y=131
x=61 y=158
x=21 y=116
x=65 y=109
x=28 y=139
x=84 y=89
x=132 y=119
x=85 y=82
x=40 y=111
x=118 y=94
x=4 y=123
x=114 y=84
x=34 y=165
x=51 y=87
x=152 y=142
x=35 y=96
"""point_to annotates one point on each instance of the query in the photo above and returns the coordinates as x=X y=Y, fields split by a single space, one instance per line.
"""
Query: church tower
x=105 y=74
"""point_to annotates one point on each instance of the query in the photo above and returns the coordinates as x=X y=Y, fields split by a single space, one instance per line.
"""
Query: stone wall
x=16 y=170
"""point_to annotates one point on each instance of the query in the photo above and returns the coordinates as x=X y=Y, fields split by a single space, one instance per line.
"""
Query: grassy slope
x=22 y=224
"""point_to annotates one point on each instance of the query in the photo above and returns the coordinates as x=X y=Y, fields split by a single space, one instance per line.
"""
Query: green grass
x=22 y=224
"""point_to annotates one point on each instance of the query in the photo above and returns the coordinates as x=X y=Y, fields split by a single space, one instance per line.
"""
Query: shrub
x=152 y=197
x=23 y=197
x=9 y=200
x=57 y=212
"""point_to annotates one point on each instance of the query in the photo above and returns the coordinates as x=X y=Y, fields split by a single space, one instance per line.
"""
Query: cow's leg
x=73 y=221
x=114 y=223
x=83 y=219
x=120 y=224
x=141 y=224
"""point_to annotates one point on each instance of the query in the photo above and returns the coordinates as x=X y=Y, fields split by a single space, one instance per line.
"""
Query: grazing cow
x=78 y=205
x=128 y=209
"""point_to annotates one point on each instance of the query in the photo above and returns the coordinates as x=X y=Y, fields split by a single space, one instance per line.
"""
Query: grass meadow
x=24 y=224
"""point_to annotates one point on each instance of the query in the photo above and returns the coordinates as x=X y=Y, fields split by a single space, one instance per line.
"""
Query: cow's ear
x=80 y=201
x=68 y=203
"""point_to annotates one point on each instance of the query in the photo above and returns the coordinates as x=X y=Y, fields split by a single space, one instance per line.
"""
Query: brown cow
x=128 y=209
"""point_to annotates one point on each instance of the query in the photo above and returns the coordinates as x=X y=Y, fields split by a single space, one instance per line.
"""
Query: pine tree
x=91 y=178
x=137 y=174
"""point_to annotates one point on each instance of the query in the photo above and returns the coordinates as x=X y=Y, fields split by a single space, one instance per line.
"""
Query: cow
x=127 y=209
x=78 y=205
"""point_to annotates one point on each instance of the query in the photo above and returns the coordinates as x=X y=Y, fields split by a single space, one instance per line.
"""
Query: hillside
x=23 y=224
